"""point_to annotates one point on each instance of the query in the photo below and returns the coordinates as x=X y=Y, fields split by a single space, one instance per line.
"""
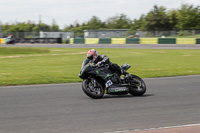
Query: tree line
x=158 y=18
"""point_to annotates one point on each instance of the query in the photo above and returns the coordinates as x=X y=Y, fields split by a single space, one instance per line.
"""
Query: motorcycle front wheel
x=92 y=88
x=138 y=88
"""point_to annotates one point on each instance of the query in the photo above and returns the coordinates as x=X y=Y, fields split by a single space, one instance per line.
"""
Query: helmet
x=92 y=54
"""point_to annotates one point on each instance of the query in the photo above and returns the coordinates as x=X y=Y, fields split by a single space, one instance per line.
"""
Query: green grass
x=14 y=51
x=60 y=65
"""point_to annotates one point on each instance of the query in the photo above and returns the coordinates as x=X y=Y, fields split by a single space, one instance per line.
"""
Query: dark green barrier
x=132 y=41
x=166 y=40
x=104 y=40
x=38 y=40
x=198 y=40
x=79 y=40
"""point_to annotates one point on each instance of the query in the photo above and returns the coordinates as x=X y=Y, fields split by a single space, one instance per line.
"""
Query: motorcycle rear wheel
x=95 y=92
x=140 y=87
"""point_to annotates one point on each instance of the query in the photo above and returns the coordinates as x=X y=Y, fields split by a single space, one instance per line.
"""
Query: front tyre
x=92 y=88
x=138 y=87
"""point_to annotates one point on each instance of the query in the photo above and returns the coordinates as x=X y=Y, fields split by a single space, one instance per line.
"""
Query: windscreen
x=86 y=61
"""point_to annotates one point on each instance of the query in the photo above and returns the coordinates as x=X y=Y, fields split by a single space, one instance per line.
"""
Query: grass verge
x=61 y=65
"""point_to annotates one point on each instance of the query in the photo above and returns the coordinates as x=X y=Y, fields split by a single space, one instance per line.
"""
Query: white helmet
x=92 y=54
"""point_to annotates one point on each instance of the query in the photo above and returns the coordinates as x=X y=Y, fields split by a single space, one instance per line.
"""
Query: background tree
x=118 y=22
x=44 y=27
x=54 y=26
x=157 y=19
x=188 y=17
x=139 y=24
x=24 y=27
x=173 y=20
x=94 y=23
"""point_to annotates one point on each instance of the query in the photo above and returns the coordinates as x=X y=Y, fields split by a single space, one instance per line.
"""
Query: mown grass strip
x=62 y=65
x=16 y=51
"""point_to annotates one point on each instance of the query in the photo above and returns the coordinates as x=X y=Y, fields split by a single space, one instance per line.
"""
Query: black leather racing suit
x=112 y=66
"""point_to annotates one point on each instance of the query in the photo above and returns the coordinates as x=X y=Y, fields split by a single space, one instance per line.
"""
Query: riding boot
x=125 y=73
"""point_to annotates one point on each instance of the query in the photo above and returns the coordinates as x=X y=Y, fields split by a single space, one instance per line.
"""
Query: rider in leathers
x=98 y=60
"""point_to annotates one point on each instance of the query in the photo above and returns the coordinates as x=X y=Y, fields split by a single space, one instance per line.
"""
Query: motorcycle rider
x=98 y=60
x=10 y=39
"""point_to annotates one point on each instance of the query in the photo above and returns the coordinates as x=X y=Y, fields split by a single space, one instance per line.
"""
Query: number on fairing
x=108 y=83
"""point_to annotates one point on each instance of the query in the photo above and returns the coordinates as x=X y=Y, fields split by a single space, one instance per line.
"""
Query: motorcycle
x=10 y=41
x=100 y=80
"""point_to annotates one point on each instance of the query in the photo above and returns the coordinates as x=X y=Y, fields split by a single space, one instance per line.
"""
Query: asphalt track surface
x=64 y=108
x=168 y=104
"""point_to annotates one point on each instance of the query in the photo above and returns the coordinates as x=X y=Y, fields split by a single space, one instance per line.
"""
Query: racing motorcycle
x=100 y=80
x=10 y=41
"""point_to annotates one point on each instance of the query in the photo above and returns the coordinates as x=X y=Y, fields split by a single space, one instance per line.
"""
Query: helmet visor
x=90 y=57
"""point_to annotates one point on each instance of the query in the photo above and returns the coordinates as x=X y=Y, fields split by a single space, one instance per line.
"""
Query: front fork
x=93 y=85
x=93 y=81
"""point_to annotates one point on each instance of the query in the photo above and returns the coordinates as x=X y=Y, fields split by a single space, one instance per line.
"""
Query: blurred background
x=131 y=19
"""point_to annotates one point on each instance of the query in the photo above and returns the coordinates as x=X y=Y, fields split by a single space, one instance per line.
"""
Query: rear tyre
x=92 y=88
x=139 y=87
